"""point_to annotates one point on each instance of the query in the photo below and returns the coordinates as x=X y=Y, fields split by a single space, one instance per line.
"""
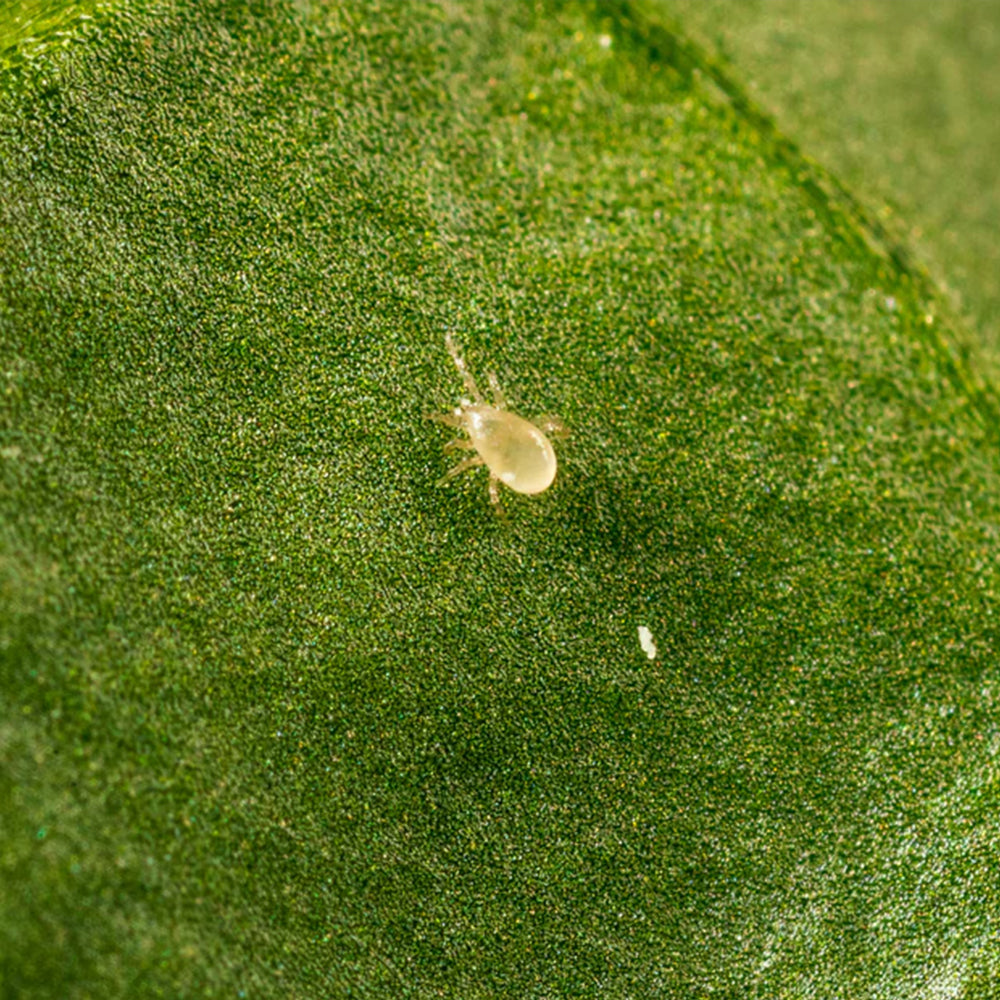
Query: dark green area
x=283 y=718
x=900 y=98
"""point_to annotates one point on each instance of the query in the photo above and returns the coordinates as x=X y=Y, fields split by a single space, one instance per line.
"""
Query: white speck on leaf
x=646 y=641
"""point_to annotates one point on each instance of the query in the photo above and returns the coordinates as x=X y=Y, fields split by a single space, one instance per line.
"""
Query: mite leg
x=467 y=379
x=451 y=419
x=498 y=397
x=468 y=463
x=495 y=499
x=460 y=444
x=551 y=425
x=495 y=495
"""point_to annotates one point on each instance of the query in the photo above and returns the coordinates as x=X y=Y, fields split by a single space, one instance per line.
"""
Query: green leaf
x=296 y=720
x=898 y=98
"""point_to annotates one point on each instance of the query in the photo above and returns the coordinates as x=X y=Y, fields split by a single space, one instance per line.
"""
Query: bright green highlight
x=29 y=27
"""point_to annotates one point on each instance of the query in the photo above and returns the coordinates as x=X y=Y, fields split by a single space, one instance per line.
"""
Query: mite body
x=516 y=451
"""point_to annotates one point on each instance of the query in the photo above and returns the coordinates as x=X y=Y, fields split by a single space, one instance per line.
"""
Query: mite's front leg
x=499 y=401
x=469 y=463
x=450 y=419
x=459 y=444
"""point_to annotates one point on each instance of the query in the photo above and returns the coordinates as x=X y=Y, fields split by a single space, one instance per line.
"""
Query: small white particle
x=646 y=641
x=604 y=41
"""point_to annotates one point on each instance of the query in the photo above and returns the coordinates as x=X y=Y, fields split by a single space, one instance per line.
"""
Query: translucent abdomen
x=516 y=451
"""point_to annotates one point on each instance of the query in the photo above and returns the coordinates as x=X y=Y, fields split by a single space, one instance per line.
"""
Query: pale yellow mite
x=516 y=451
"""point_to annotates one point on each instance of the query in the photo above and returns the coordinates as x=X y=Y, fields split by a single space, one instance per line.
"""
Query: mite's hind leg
x=495 y=498
x=498 y=397
x=468 y=463
x=459 y=444
x=467 y=379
